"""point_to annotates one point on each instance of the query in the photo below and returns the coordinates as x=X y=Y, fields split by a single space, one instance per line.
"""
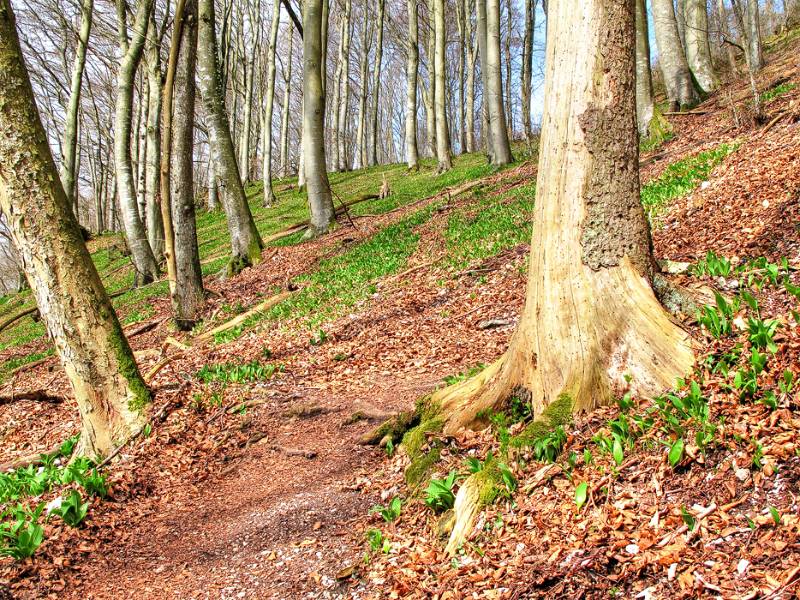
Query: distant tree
x=112 y=397
x=412 y=69
x=698 y=50
x=672 y=58
x=269 y=101
x=644 y=79
x=440 y=96
x=489 y=11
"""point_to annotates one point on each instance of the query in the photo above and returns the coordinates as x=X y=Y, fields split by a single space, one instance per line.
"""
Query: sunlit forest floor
x=251 y=482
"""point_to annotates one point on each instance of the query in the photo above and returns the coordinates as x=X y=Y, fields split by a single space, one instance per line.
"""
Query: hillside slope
x=250 y=481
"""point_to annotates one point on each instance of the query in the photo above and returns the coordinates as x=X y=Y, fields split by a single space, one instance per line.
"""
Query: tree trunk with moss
x=246 y=244
x=112 y=397
x=320 y=199
x=592 y=328
x=671 y=57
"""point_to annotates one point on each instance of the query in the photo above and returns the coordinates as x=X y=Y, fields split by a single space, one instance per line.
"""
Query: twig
x=684 y=528
x=34 y=396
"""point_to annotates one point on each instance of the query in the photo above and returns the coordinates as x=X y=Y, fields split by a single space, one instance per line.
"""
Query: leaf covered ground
x=250 y=481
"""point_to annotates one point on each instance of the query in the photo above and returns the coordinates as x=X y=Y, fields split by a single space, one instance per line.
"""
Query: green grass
x=681 y=178
x=291 y=207
x=777 y=91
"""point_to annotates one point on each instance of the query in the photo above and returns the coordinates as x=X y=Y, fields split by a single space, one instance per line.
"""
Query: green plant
x=391 y=512
x=761 y=333
x=23 y=534
x=717 y=320
x=439 y=493
x=676 y=452
x=546 y=448
x=464 y=375
x=581 y=494
x=237 y=373
x=319 y=338
x=776 y=516
x=688 y=518
x=377 y=541
x=712 y=265
x=775 y=92
x=73 y=510
x=95 y=484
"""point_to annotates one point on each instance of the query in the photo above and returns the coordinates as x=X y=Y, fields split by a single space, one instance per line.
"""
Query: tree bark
x=155 y=225
x=188 y=298
x=754 y=44
x=430 y=96
x=68 y=165
x=461 y=21
x=442 y=133
x=337 y=91
x=483 y=42
x=671 y=57
x=344 y=90
x=319 y=192
x=412 y=70
x=698 y=51
x=142 y=255
x=726 y=34
x=501 y=149
x=591 y=328
x=376 y=85
x=361 y=130
x=471 y=56
x=246 y=242
x=527 y=68
x=112 y=397
x=644 y=78
x=287 y=90
x=269 y=194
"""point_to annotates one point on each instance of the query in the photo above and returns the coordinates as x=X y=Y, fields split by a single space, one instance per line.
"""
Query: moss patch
x=416 y=473
x=557 y=414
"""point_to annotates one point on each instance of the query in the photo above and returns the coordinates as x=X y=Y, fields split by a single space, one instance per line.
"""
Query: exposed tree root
x=34 y=396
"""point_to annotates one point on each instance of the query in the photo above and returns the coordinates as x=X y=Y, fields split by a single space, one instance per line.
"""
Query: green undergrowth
x=680 y=178
x=777 y=91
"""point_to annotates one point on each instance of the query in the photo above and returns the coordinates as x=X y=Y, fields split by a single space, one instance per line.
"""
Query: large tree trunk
x=344 y=90
x=671 y=57
x=68 y=165
x=287 y=91
x=644 y=79
x=155 y=225
x=501 y=149
x=269 y=195
x=144 y=260
x=698 y=51
x=527 y=68
x=188 y=298
x=376 y=85
x=246 y=242
x=592 y=327
x=442 y=133
x=111 y=394
x=316 y=177
x=412 y=70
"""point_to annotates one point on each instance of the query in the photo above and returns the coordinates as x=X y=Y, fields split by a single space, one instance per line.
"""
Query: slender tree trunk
x=726 y=34
x=527 y=68
x=671 y=57
x=344 y=90
x=754 y=35
x=254 y=12
x=460 y=19
x=246 y=242
x=287 y=90
x=412 y=70
x=319 y=191
x=698 y=51
x=509 y=108
x=361 y=130
x=480 y=9
x=591 y=327
x=501 y=151
x=471 y=56
x=68 y=168
x=144 y=260
x=155 y=225
x=644 y=79
x=442 y=133
x=337 y=91
x=188 y=298
x=376 y=84
x=111 y=395
x=430 y=98
x=269 y=195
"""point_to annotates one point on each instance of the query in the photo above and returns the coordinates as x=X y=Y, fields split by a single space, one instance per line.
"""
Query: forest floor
x=251 y=482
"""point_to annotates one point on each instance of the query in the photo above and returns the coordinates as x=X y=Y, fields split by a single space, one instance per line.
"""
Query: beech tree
x=489 y=13
x=412 y=69
x=246 y=244
x=269 y=101
x=111 y=395
x=144 y=261
x=698 y=51
x=440 y=95
x=644 y=78
x=672 y=58
x=592 y=327
x=320 y=199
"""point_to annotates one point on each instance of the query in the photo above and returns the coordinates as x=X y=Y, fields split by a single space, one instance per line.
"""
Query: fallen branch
x=685 y=112
x=684 y=528
x=35 y=396
x=294 y=451
x=238 y=320
x=28 y=460
x=31 y=365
